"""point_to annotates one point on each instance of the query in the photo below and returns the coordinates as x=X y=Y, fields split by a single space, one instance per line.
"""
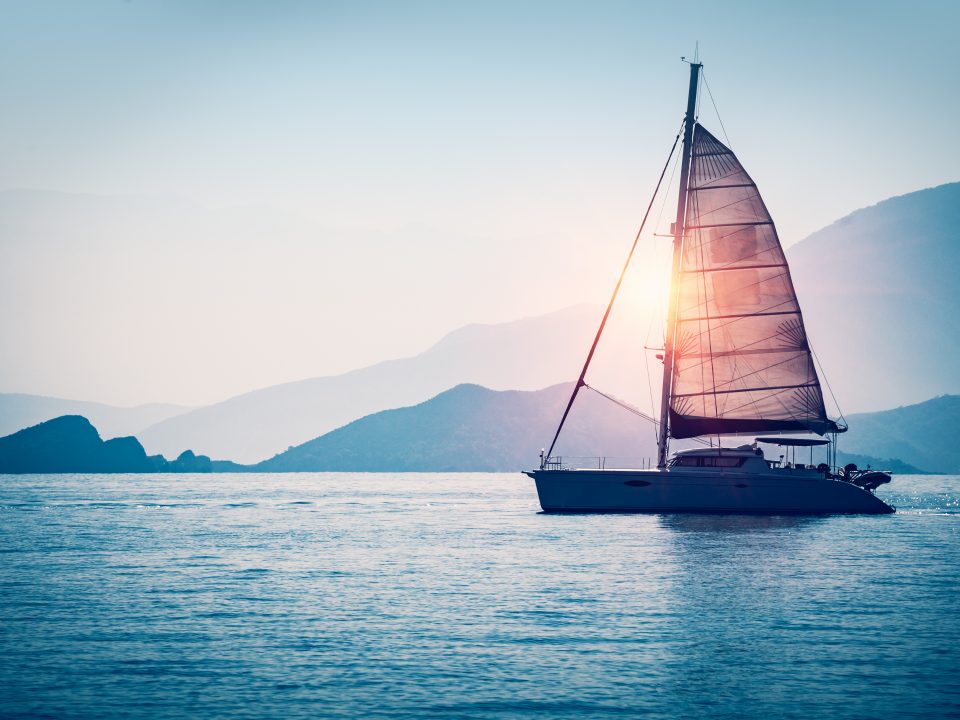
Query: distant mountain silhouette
x=924 y=434
x=471 y=428
x=523 y=355
x=878 y=290
x=18 y=410
x=70 y=444
x=894 y=465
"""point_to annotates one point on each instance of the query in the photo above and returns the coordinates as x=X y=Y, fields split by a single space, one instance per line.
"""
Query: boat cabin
x=746 y=458
x=743 y=458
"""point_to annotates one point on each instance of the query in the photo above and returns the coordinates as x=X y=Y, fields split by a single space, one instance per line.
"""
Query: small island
x=71 y=444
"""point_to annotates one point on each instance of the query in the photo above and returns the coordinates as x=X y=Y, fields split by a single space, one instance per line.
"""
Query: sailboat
x=736 y=362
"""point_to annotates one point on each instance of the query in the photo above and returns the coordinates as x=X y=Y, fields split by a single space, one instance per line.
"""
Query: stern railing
x=595 y=462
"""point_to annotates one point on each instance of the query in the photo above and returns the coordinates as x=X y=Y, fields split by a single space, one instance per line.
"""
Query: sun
x=647 y=285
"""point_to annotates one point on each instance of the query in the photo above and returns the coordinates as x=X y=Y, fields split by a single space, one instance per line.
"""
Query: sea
x=452 y=596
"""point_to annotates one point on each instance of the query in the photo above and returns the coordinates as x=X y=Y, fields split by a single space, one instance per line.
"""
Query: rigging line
x=660 y=311
x=622 y=403
x=613 y=297
x=827 y=381
x=657 y=309
x=646 y=367
x=666 y=195
x=717 y=111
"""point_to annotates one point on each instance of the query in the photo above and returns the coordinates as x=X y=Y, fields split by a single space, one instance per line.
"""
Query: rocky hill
x=70 y=444
x=471 y=428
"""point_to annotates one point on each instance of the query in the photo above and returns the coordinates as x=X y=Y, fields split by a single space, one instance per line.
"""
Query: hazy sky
x=277 y=190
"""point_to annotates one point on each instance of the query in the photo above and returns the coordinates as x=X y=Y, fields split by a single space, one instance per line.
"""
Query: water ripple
x=451 y=596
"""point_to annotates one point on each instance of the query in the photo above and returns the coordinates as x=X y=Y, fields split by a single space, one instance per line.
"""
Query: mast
x=668 y=347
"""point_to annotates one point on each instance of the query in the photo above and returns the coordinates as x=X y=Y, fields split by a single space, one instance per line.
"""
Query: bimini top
x=793 y=442
x=717 y=451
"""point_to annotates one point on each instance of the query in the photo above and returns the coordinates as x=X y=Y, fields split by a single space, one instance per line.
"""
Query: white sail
x=742 y=362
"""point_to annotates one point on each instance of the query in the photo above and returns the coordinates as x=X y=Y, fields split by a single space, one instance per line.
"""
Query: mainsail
x=742 y=363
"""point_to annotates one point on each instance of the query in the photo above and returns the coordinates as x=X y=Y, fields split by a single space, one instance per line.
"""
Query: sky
x=202 y=198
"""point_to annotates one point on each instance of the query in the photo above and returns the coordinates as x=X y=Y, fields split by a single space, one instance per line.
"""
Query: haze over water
x=407 y=596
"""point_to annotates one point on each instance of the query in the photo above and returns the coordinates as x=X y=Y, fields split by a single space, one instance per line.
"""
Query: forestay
x=742 y=362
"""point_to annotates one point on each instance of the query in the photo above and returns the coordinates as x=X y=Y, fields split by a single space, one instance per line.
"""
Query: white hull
x=701 y=491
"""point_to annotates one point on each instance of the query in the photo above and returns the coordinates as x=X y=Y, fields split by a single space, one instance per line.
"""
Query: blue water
x=419 y=596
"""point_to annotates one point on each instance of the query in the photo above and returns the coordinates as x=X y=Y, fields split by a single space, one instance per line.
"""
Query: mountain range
x=876 y=289
x=924 y=434
x=471 y=428
x=878 y=294
x=474 y=429
x=523 y=355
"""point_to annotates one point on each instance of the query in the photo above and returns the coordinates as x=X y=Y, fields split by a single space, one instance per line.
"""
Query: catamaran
x=736 y=361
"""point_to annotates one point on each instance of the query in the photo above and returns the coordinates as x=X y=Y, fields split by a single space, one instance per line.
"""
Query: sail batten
x=745 y=390
x=733 y=224
x=742 y=362
x=720 y=187
x=730 y=267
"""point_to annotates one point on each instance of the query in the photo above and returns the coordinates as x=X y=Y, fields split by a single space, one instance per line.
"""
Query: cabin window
x=694 y=461
x=729 y=462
